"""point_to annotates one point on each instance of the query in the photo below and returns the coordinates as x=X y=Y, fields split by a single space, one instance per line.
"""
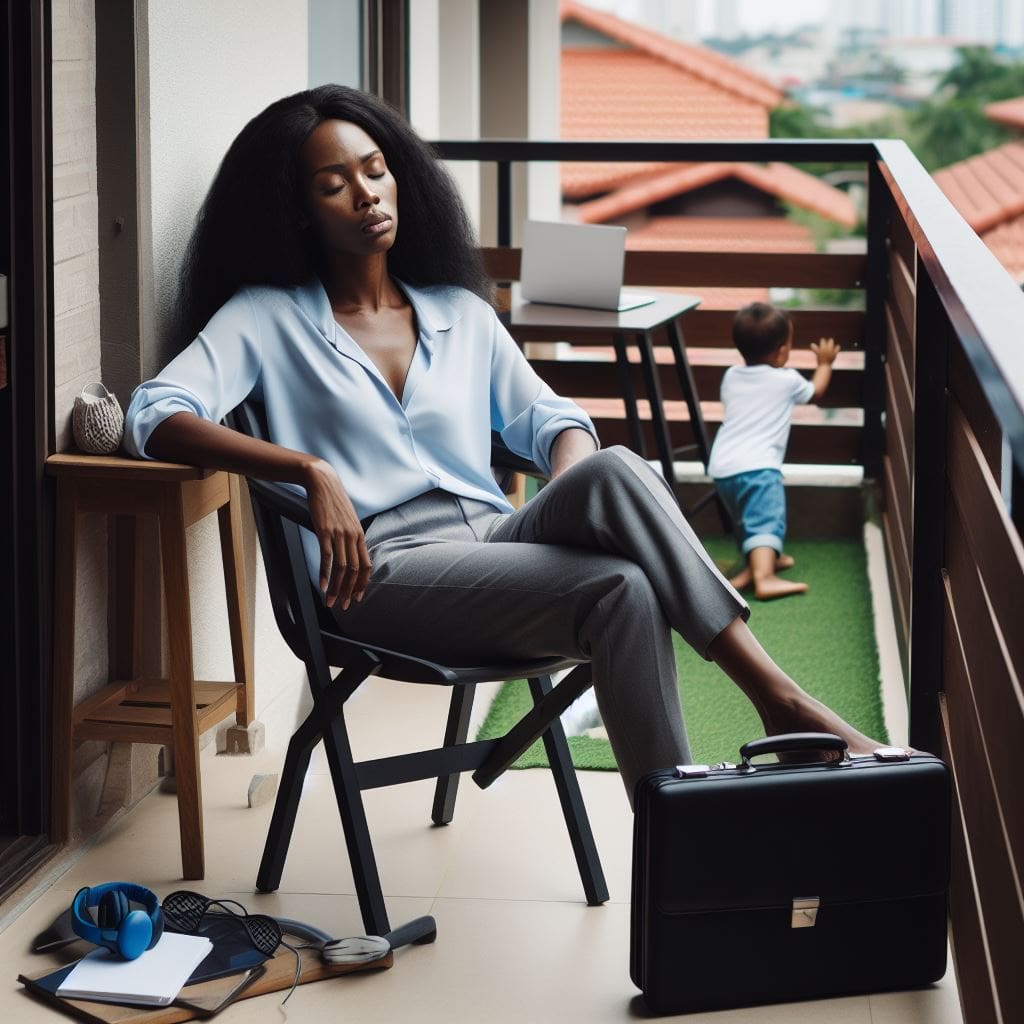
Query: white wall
x=210 y=67
x=77 y=338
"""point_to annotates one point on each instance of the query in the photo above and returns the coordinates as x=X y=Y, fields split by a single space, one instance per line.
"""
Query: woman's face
x=351 y=196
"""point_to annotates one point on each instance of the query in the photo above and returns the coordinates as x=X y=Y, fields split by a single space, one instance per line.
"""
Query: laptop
x=576 y=265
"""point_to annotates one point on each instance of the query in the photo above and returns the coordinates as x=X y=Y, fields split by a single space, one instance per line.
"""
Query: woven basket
x=97 y=422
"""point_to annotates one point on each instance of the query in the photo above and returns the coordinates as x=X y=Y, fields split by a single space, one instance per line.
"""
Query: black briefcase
x=782 y=881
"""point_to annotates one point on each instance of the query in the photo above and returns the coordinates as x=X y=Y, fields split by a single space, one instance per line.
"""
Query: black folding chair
x=312 y=633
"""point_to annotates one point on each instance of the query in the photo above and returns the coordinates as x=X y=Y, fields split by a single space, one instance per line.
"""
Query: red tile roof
x=987 y=189
x=1007 y=245
x=721 y=234
x=650 y=87
x=696 y=61
x=1008 y=112
x=780 y=180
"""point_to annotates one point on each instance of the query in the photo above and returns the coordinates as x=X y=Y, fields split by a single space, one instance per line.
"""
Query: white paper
x=153 y=979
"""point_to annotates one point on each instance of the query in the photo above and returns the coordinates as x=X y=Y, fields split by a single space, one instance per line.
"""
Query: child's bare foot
x=745 y=577
x=770 y=587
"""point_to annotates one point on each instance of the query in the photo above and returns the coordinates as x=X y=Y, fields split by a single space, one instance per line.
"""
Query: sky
x=757 y=16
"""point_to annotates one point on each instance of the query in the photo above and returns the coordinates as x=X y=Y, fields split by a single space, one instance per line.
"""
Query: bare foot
x=800 y=712
x=772 y=586
x=745 y=577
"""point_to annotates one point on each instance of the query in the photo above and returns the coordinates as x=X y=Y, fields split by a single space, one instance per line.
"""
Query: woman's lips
x=377 y=227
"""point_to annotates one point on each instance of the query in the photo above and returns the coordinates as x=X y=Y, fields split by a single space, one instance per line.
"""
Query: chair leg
x=456 y=731
x=282 y=823
x=357 y=831
x=580 y=833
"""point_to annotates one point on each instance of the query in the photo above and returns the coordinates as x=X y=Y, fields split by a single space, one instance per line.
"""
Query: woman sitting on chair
x=382 y=367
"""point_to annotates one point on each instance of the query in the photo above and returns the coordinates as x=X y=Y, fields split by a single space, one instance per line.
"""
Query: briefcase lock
x=805 y=912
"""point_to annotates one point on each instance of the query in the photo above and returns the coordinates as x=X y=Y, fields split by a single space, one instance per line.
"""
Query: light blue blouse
x=323 y=394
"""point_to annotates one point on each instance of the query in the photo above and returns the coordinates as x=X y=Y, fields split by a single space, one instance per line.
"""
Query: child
x=746 y=458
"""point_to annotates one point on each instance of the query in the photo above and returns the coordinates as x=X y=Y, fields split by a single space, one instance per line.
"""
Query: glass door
x=25 y=438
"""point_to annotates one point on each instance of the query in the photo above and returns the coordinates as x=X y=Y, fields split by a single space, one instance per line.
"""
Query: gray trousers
x=599 y=565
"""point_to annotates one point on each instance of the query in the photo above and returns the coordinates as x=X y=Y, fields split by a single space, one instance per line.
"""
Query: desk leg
x=636 y=433
x=659 y=424
x=65 y=578
x=184 y=725
x=689 y=389
x=229 y=519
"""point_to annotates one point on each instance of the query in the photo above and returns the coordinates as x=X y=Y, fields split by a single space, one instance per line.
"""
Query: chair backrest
x=291 y=591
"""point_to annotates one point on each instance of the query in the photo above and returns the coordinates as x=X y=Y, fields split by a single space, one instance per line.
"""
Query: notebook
x=576 y=265
x=153 y=979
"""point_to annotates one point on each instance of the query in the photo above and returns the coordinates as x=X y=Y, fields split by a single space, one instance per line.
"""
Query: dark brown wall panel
x=973 y=970
x=993 y=696
x=896 y=452
x=717 y=269
x=814 y=444
x=903 y=290
x=901 y=242
x=579 y=379
x=994 y=875
x=899 y=556
x=964 y=385
x=995 y=545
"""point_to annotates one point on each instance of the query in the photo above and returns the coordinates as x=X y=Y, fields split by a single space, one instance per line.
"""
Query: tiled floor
x=516 y=942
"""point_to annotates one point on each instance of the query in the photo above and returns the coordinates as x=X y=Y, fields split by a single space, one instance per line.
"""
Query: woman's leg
x=439 y=592
x=614 y=501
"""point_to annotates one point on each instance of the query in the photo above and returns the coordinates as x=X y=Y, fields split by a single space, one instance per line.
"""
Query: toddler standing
x=746 y=458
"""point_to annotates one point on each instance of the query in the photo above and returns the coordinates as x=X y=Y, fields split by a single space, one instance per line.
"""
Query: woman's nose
x=366 y=194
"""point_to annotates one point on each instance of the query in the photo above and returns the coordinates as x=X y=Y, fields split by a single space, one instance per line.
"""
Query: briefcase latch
x=805 y=912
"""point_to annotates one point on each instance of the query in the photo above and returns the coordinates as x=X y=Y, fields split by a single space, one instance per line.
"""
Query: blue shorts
x=757 y=503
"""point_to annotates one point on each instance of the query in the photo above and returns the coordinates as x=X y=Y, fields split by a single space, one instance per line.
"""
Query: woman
x=382 y=370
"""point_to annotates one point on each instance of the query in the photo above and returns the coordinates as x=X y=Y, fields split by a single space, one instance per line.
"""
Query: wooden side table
x=174 y=711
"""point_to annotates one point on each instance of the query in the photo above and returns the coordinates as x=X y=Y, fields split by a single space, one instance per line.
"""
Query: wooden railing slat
x=995 y=544
x=988 y=690
x=971 y=398
x=996 y=880
x=973 y=966
x=715 y=269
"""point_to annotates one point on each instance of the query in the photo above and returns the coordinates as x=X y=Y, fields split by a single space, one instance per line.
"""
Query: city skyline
x=984 y=21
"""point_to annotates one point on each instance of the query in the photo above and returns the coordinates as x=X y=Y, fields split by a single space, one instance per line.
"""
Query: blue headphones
x=127 y=933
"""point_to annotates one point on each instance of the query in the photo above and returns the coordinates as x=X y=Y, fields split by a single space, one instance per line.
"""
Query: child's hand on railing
x=826 y=350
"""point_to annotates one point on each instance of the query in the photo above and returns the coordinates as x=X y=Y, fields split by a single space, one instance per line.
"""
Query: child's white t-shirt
x=758 y=403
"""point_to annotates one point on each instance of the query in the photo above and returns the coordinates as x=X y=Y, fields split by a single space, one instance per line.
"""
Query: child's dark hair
x=758 y=330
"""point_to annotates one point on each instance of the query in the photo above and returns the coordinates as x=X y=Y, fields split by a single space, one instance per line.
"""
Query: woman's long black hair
x=250 y=228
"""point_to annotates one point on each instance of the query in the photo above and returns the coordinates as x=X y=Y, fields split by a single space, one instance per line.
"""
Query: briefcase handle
x=793 y=741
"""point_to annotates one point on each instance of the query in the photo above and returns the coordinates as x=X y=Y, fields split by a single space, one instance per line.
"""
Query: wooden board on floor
x=277 y=976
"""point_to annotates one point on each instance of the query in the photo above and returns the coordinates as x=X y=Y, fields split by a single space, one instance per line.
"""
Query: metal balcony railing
x=940 y=392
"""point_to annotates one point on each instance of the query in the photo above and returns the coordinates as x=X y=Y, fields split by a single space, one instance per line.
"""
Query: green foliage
x=949 y=127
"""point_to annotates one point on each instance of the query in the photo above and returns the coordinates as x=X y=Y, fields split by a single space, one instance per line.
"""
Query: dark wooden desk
x=525 y=320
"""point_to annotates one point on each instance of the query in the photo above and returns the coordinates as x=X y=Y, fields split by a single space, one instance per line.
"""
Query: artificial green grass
x=824 y=639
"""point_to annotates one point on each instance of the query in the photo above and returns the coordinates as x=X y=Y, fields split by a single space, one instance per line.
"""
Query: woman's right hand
x=344 y=561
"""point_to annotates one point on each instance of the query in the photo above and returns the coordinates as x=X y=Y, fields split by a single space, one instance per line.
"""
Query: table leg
x=636 y=432
x=65 y=577
x=659 y=423
x=229 y=519
x=184 y=725
x=689 y=389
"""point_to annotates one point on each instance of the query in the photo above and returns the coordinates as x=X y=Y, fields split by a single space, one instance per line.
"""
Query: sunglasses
x=184 y=911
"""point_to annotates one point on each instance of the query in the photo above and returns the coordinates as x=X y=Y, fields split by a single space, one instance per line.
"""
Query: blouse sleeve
x=214 y=374
x=524 y=410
